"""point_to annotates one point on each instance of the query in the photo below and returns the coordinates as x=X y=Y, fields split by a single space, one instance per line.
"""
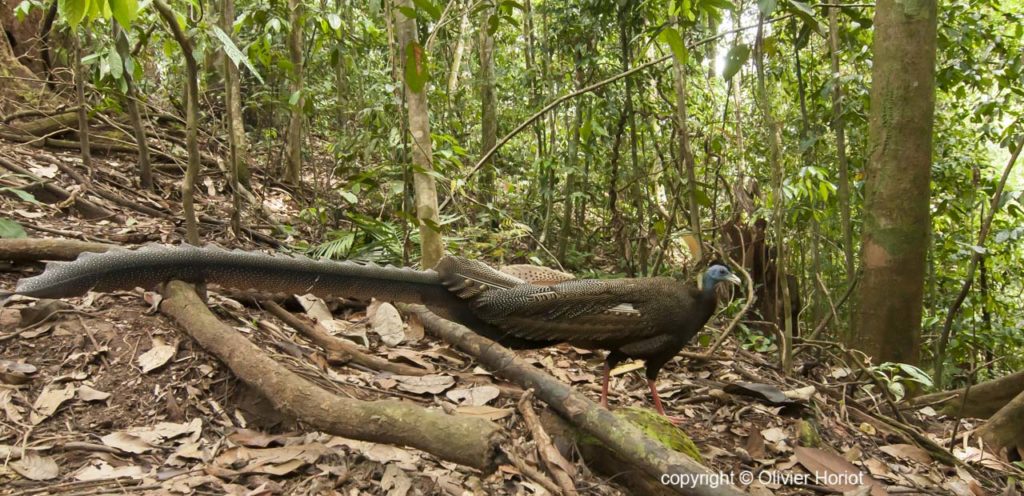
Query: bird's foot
x=676 y=421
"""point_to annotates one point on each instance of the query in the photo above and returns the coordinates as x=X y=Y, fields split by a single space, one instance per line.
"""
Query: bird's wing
x=470 y=278
x=577 y=310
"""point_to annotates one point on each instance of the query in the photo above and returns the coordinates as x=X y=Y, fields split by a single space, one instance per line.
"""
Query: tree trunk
x=488 y=104
x=425 y=189
x=293 y=152
x=132 y=104
x=780 y=288
x=686 y=161
x=460 y=49
x=239 y=171
x=83 y=108
x=233 y=92
x=570 y=180
x=840 y=127
x=638 y=175
x=894 y=240
x=191 y=121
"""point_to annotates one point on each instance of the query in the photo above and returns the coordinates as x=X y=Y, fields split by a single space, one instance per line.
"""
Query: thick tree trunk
x=293 y=150
x=431 y=244
x=894 y=241
x=488 y=104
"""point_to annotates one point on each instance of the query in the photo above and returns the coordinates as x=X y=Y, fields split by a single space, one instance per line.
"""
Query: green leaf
x=11 y=229
x=73 y=11
x=767 y=6
x=427 y=6
x=804 y=12
x=734 y=60
x=125 y=11
x=416 y=75
x=671 y=37
x=116 y=65
x=293 y=99
x=348 y=196
x=492 y=24
x=334 y=20
x=234 y=53
x=24 y=195
x=916 y=374
x=408 y=12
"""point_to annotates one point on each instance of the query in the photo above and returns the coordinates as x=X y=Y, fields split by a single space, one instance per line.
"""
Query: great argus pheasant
x=647 y=318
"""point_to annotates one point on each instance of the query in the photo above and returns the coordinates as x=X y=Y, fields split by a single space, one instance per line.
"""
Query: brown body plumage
x=649 y=319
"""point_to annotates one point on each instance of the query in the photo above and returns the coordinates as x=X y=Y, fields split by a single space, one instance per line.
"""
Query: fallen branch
x=982 y=401
x=35 y=249
x=557 y=465
x=350 y=350
x=470 y=441
x=628 y=441
x=1003 y=429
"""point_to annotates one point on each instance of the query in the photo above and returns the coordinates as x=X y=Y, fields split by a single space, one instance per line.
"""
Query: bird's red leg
x=604 y=385
x=657 y=403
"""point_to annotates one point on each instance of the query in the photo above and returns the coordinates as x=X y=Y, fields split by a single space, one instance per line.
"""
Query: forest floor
x=120 y=400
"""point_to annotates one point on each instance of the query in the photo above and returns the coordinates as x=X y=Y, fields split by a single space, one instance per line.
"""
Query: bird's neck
x=707 y=288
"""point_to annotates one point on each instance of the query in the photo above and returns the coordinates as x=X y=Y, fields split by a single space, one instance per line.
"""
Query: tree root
x=470 y=441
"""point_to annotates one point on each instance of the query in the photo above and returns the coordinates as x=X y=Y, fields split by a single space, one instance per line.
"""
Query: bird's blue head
x=715 y=274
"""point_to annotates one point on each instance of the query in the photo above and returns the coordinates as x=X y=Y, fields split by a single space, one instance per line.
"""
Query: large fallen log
x=38 y=249
x=983 y=400
x=471 y=441
x=1003 y=429
x=625 y=439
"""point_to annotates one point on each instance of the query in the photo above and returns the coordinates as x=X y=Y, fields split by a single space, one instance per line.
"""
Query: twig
x=533 y=474
x=557 y=465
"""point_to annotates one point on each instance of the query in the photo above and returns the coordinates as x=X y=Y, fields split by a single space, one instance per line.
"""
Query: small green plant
x=895 y=376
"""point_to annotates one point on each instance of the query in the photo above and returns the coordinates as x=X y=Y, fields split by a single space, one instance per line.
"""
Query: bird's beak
x=733 y=278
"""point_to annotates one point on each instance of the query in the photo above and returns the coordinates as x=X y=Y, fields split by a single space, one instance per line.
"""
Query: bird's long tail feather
x=151 y=265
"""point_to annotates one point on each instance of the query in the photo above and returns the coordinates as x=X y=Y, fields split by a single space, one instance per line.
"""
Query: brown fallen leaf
x=412 y=356
x=34 y=466
x=908 y=451
x=274 y=461
x=487 y=412
x=432 y=384
x=395 y=481
x=380 y=453
x=414 y=330
x=755 y=445
x=49 y=401
x=157 y=356
x=86 y=393
x=126 y=442
x=834 y=471
x=12 y=372
x=254 y=439
x=475 y=396
x=386 y=322
x=103 y=470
